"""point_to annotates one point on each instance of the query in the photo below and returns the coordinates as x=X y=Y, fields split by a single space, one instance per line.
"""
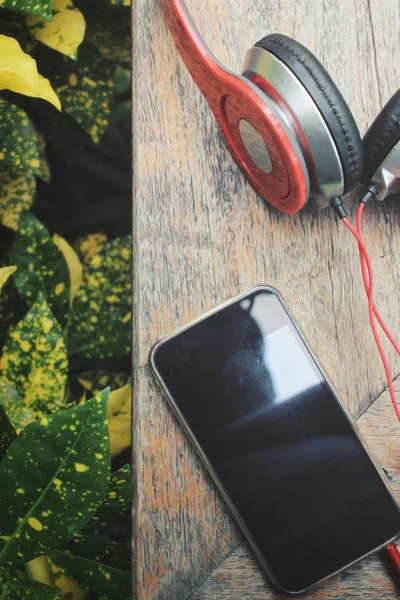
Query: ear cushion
x=328 y=99
x=381 y=137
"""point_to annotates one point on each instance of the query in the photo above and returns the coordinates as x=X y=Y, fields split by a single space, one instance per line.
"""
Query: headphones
x=286 y=123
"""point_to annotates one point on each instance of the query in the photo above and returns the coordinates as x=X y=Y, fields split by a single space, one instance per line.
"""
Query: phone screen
x=277 y=440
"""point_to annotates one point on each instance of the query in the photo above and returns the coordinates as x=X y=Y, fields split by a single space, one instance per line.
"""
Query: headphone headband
x=240 y=107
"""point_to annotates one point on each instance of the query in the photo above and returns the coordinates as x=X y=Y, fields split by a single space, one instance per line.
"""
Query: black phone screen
x=278 y=440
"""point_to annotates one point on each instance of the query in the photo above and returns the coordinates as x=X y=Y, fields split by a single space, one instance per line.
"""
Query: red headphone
x=286 y=123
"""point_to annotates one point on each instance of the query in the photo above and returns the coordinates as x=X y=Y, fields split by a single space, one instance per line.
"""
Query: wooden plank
x=201 y=236
x=240 y=575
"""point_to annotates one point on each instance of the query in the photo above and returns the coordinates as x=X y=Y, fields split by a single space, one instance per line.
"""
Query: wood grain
x=201 y=235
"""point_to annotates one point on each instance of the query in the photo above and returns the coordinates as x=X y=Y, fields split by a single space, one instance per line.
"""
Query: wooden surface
x=201 y=236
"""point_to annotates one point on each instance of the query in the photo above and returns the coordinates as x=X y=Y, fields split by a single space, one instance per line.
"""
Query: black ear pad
x=328 y=99
x=381 y=137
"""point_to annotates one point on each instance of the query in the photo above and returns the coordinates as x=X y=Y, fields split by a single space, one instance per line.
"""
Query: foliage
x=65 y=298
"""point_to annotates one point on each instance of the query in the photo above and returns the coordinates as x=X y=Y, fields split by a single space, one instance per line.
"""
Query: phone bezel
x=208 y=465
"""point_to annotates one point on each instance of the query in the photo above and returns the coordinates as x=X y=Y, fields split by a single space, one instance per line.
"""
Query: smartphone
x=277 y=440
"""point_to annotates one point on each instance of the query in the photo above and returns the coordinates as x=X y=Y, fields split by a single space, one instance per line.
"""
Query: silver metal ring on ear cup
x=387 y=178
x=319 y=150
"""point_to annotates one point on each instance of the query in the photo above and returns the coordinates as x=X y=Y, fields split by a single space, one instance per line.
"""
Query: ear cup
x=381 y=137
x=330 y=102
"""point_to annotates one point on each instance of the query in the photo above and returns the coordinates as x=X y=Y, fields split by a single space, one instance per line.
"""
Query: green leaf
x=17 y=192
x=41 y=267
x=100 y=320
x=98 y=565
x=10 y=308
x=17 y=411
x=42 y=8
x=113 y=516
x=85 y=87
x=15 y=585
x=34 y=360
x=108 y=27
x=53 y=478
x=19 y=140
x=7 y=432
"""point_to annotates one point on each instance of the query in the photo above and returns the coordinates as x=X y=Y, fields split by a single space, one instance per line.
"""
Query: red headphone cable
x=391 y=553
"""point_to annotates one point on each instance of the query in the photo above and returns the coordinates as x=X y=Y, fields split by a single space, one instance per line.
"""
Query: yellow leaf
x=64 y=33
x=18 y=73
x=119 y=419
x=5 y=273
x=71 y=589
x=40 y=570
x=73 y=262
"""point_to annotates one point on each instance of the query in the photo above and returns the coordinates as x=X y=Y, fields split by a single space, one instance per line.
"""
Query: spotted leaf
x=74 y=266
x=100 y=319
x=41 y=267
x=5 y=273
x=42 y=8
x=108 y=27
x=7 y=431
x=17 y=192
x=19 y=414
x=89 y=245
x=34 y=360
x=64 y=33
x=120 y=419
x=85 y=87
x=100 y=566
x=111 y=520
x=19 y=141
x=15 y=585
x=18 y=71
x=53 y=479
x=94 y=381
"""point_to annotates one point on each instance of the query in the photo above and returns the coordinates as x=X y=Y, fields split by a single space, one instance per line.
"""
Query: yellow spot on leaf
x=96 y=262
x=20 y=491
x=81 y=468
x=98 y=455
x=127 y=317
x=35 y=524
x=44 y=421
x=57 y=483
x=25 y=346
x=47 y=324
x=59 y=288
